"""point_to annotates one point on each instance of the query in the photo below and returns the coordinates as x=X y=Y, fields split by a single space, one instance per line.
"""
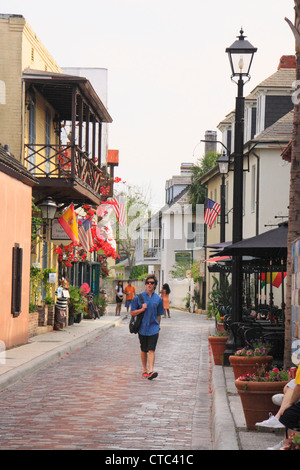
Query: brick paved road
x=96 y=398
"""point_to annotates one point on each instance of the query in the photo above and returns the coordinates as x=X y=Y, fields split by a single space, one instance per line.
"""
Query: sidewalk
x=229 y=426
x=46 y=348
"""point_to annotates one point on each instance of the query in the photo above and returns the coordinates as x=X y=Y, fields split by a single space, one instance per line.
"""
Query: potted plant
x=101 y=303
x=76 y=303
x=251 y=359
x=256 y=393
x=220 y=323
x=218 y=347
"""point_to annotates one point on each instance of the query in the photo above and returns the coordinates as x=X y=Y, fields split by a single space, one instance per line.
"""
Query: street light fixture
x=223 y=162
x=240 y=55
x=48 y=208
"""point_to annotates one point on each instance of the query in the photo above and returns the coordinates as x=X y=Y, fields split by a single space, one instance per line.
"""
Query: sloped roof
x=282 y=78
x=281 y=130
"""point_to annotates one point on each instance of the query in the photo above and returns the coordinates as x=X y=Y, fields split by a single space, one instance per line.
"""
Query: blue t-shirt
x=150 y=325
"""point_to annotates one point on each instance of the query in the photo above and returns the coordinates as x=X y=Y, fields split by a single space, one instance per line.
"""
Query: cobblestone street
x=95 y=398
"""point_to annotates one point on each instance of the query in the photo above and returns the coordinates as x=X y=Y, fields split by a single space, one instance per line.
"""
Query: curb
x=13 y=376
x=223 y=427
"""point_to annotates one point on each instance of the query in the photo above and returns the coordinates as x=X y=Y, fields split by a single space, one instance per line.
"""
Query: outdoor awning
x=270 y=244
x=216 y=259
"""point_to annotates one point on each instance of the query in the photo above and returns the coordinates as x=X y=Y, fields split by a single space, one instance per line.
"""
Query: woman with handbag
x=119 y=297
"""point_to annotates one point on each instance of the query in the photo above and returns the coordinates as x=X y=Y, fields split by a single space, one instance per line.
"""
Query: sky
x=168 y=73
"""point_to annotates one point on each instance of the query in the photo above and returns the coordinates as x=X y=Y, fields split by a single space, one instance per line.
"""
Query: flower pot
x=256 y=398
x=78 y=317
x=218 y=346
x=242 y=365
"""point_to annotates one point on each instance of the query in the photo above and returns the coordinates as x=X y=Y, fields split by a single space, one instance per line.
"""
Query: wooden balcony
x=67 y=174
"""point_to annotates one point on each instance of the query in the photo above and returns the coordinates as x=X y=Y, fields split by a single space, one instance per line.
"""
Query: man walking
x=130 y=293
x=148 y=333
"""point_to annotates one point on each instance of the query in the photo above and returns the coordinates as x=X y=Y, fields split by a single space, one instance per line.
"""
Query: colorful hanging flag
x=118 y=208
x=85 y=234
x=276 y=279
x=211 y=212
x=68 y=222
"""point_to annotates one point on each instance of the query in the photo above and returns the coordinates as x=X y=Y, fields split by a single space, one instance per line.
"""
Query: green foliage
x=220 y=295
x=36 y=221
x=197 y=192
x=35 y=278
x=138 y=272
x=46 y=283
x=49 y=300
x=101 y=303
x=179 y=270
x=76 y=301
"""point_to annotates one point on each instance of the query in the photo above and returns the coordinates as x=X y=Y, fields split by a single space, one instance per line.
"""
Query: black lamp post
x=240 y=55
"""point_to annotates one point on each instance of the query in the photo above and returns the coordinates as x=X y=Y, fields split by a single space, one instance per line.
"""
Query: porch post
x=74 y=97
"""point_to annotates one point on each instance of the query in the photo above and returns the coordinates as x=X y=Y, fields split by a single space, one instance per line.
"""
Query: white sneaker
x=277 y=446
x=272 y=422
x=277 y=399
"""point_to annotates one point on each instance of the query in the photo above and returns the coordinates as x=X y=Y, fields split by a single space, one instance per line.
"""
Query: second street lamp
x=223 y=162
x=240 y=55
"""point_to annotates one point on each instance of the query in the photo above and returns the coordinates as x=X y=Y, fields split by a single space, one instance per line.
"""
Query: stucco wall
x=15 y=200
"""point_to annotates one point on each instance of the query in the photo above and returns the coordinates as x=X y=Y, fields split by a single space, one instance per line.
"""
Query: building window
x=16 y=296
x=253 y=188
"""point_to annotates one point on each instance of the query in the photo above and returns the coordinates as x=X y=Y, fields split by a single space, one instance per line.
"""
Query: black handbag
x=136 y=320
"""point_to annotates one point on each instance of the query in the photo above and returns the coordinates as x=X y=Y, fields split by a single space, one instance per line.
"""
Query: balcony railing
x=58 y=161
x=148 y=255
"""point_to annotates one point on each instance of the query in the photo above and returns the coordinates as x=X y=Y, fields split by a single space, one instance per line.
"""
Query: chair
x=276 y=340
x=253 y=334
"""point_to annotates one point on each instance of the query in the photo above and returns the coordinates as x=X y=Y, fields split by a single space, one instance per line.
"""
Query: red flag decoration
x=276 y=279
x=68 y=222
x=85 y=234
x=118 y=208
x=211 y=212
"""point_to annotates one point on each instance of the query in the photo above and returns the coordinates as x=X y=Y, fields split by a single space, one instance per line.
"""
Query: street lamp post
x=240 y=55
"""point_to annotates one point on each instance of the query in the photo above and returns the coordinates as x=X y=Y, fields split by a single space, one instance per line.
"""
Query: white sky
x=168 y=74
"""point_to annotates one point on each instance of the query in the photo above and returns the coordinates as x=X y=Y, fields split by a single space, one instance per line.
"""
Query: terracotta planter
x=218 y=346
x=221 y=328
x=242 y=365
x=256 y=398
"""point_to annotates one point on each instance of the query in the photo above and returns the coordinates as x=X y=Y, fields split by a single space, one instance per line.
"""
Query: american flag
x=211 y=212
x=85 y=234
x=118 y=208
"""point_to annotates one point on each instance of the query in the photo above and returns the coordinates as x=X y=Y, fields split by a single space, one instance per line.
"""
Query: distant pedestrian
x=165 y=292
x=149 y=329
x=130 y=294
x=119 y=297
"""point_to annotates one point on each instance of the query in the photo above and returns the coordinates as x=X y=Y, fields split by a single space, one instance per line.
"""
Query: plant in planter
x=251 y=359
x=220 y=323
x=35 y=278
x=218 y=347
x=256 y=393
x=76 y=303
x=101 y=303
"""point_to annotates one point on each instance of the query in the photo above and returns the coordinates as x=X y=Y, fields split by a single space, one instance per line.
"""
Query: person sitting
x=288 y=415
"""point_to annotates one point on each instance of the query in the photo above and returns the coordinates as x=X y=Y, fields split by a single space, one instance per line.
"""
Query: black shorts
x=291 y=417
x=118 y=300
x=148 y=343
